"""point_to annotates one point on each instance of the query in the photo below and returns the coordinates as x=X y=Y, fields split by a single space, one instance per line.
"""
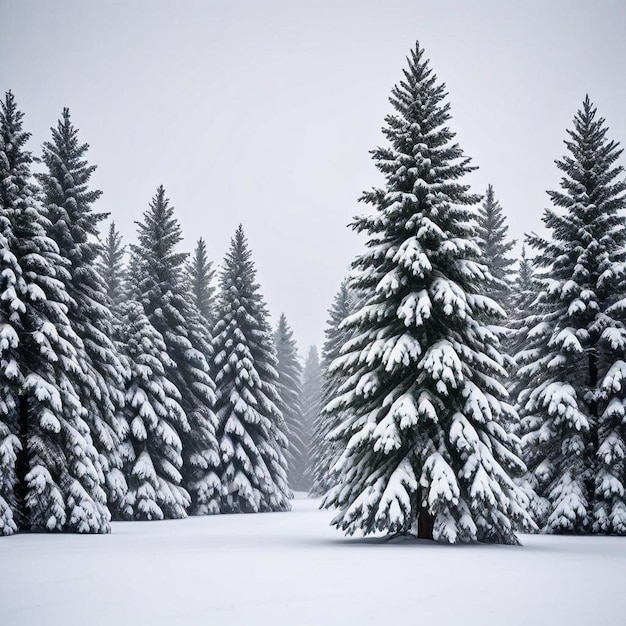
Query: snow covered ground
x=291 y=569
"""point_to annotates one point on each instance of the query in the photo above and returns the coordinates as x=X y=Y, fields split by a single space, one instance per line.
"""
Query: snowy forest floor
x=292 y=569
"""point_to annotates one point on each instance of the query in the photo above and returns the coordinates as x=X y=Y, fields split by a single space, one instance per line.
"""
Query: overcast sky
x=264 y=112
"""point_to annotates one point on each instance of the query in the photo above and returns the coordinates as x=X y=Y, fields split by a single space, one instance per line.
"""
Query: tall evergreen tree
x=492 y=236
x=50 y=473
x=155 y=416
x=73 y=225
x=200 y=273
x=290 y=393
x=424 y=445
x=251 y=428
x=311 y=407
x=160 y=287
x=573 y=403
x=112 y=267
x=324 y=450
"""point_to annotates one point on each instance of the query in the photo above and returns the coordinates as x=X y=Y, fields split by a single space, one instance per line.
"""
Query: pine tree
x=523 y=294
x=573 y=402
x=112 y=268
x=524 y=291
x=201 y=317
x=160 y=287
x=492 y=236
x=200 y=273
x=155 y=416
x=73 y=225
x=251 y=428
x=311 y=407
x=50 y=473
x=324 y=451
x=290 y=393
x=424 y=445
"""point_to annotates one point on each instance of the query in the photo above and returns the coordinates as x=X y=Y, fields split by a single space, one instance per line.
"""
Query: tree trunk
x=22 y=467
x=425 y=524
x=589 y=454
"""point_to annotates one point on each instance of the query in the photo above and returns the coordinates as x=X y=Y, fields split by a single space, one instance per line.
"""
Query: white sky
x=264 y=112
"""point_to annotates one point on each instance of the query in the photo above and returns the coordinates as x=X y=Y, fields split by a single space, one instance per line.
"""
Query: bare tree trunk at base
x=22 y=467
x=425 y=524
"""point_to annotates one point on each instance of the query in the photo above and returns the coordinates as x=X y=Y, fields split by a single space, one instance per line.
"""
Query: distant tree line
x=131 y=387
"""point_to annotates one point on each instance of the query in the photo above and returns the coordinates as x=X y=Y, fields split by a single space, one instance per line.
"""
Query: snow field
x=292 y=569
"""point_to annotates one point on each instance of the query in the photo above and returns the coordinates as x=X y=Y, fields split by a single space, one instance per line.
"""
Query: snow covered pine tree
x=111 y=266
x=73 y=225
x=425 y=448
x=324 y=451
x=155 y=416
x=311 y=406
x=289 y=388
x=153 y=448
x=523 y=294
x=251 y=429
x=50 y=473
x=573 y=400
x=492 y=238
x=158 y=283
x=495 y=246
x=200 y=274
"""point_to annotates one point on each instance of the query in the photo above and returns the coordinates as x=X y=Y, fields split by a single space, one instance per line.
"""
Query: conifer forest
x=468 y=386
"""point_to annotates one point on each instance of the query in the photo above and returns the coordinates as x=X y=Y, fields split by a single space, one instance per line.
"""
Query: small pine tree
x=160 y=287
x=290 y=392
x=201 y=316
x=155 y=416
x=572 y=402
x=311 y=406
x=523 y=294
x=251 y=428
x=200 y=273
x=325 y=451
x=424 y=444
x=492 y=236
x=112 y=268
x=73 y=225
x=50 y=473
